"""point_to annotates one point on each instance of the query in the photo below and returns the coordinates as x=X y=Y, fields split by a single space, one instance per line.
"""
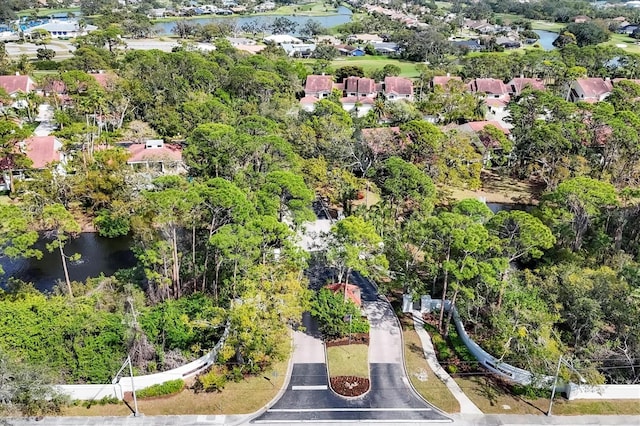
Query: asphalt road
x=390 y=399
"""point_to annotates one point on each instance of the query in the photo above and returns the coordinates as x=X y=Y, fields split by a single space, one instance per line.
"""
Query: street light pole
x=133 y=388
x=555 y=383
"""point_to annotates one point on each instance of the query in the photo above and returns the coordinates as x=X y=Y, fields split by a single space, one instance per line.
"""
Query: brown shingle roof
x=442 y=80
x=41 y=150
x=360 y=85
x=16 y=83
x=491 y=86
x=594 y=87
x=518 y=84
x=168 y=152
x=398 y=85
x=318 y=83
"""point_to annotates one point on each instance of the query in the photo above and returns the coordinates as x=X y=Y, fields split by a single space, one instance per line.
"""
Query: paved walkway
x=466 y=405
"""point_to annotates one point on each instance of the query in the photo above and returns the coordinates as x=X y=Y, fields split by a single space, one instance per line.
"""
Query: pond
x=498 y=207
x=99 y=255
x=546 y=39
x=342 y=16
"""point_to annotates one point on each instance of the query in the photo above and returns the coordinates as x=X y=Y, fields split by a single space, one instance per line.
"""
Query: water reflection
x=99 y=255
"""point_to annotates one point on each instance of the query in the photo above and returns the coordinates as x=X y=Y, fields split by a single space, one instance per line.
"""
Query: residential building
x=279 y=39
x=15 y=85
x=386 y=48
x=348 y=50
x=591 y=89
x=518 y=84
x=489 y=88
x=318 y=86
x=155 y=155
x=241 y=41
x=443 y=80
x=365 y=38
x=42 y=151
x=63 y=29
x=484 y=146
x=303 y=50
x=396 y=88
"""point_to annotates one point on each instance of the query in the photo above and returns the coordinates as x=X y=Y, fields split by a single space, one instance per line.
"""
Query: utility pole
x=136 y=413
x=561 y=360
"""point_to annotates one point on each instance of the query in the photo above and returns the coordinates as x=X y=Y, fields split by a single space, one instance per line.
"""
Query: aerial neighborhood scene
x=313 y=211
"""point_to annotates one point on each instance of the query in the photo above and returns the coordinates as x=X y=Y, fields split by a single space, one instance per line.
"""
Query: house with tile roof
x=518 y=84
x=155 y=155
x=485 y=146
x=351 y=292
x=318 y=86
x=397 y=88
x=43 y=151
x=590 y=89
x=489 y=88
x=15 y=85
x=443 y=80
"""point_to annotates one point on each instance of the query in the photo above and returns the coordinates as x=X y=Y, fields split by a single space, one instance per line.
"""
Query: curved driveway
x=391 y=399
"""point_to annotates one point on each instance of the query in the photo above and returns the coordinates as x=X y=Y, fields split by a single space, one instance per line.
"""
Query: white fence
x=519 y=375
x=574 y=391
x=117 y=390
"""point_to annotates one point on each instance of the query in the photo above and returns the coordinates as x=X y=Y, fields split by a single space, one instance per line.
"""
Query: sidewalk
x=466 y=405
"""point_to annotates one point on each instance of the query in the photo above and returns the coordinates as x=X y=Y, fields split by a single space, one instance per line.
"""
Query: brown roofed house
x=490 y=87
x=352 y=292
x=591 y=89
x=14 y=84
x=443 y=80
x=518 y=84
x=318 y=86
x=360 y=87
x=396 y=88
x=154 y=153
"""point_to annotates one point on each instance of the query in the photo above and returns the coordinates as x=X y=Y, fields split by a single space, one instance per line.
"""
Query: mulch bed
x=350 y=385
x=356 y=339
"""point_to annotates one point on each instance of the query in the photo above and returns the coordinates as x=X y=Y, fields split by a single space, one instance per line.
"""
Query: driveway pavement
x=391 y=399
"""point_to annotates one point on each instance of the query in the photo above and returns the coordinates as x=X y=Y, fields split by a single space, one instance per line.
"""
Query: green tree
x=283 y=194
x=16 y=236
x=405 y=187
x=354 y=245
x=57 y=219
x=575 y=205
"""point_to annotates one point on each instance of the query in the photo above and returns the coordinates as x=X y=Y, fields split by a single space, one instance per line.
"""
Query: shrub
x=213 y=380
x=453 y=369
x=104 y=401
x=167 y=388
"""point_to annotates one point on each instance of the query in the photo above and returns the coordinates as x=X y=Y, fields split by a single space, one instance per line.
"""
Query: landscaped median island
x=346 y=334
x=349 y=368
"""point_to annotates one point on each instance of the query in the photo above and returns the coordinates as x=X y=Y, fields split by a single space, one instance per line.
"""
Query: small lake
x=99 y=255
x=498 y=207
x=342 y=16
x=546 y=39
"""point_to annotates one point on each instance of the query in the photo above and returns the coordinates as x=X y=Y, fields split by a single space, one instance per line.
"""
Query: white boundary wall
x=602 y=392
x=117 y=390
x=519 y=375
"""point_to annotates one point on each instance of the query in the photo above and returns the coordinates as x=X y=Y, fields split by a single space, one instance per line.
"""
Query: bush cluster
x=167 y=388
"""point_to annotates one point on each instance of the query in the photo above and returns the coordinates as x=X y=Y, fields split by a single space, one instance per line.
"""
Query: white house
x=63 y=29
x=279 y=39
x=594 y=89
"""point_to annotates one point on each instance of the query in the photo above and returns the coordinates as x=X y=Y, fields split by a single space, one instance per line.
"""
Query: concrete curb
x=404 y=364
x=348 y=398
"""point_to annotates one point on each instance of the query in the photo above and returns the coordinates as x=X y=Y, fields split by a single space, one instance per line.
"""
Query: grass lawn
x=348 y=360
x=492 y=399
x=370 y=63
x=547 y=26
x=317 y=8
x=624 y=42
x=244 y=397
x=48 y=12
x=422 y=377
x=496 y=189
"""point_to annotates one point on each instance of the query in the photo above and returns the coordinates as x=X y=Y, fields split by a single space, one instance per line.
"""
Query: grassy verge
x=348 y=360
x=246 y=396
x=624 y=42
x=49 y=12
x=493 y=399
x=422 y=377
x=371 y=63
x=496 y=189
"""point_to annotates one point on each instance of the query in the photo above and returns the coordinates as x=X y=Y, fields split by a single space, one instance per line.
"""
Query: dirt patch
x=356 y=339
x=350 y=385
x=499 y=189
